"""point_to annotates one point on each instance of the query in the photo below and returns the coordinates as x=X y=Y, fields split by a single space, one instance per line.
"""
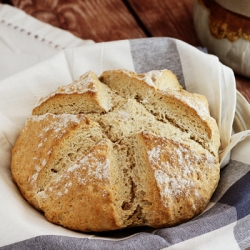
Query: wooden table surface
x=108 y=20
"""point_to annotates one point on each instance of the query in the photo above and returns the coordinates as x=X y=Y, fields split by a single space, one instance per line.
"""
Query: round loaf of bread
x=120 y=150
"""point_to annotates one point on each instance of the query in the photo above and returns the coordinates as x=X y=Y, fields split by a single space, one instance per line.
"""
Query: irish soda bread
x=117 y=151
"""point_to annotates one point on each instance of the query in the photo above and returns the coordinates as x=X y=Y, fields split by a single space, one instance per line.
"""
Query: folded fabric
x=24 y=40
x=226 y=221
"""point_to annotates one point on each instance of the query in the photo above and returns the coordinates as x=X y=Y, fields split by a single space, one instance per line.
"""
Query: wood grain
x=167 y=18
x=99 y=20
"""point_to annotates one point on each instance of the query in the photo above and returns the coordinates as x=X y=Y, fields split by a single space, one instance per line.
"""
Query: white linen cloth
x=25 y=41
x=197 y=72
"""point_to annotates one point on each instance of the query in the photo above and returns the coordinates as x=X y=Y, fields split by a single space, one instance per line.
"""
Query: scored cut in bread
x=168 y=103
x=85 y=95
x=121 y=150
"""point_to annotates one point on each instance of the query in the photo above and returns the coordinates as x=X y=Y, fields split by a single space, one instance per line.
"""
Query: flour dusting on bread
x=120 y=150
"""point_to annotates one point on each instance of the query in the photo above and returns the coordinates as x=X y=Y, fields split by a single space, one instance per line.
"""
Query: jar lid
x=237 y=6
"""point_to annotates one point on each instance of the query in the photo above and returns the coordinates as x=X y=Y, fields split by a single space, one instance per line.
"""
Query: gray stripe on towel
x=156 y=53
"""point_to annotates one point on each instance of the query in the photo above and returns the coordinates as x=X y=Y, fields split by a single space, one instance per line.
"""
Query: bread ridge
x=171 y=161
x=81 y=96
x=142 y=88
x=97 y=164
x=47 y=131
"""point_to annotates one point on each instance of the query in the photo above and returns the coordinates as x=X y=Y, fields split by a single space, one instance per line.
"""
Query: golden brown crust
x=81 y=197
x=133 y=158
x=168 y=103
x=80 y=97
x=180 y=172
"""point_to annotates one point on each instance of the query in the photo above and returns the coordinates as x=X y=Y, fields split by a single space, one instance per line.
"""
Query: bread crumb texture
x=116 y=151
